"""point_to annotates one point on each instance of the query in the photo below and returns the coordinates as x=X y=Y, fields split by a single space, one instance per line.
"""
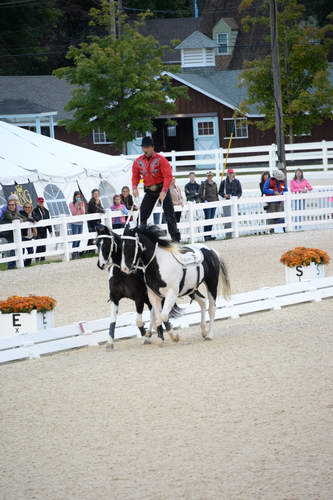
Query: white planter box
x=45 y=320
x=19 y=323
x=303 y=273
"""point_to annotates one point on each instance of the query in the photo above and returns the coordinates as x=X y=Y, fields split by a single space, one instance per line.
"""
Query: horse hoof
x=109 y=347
x=175 y=337
x=149 y=334
x=146 y=341
x=208 y=338
x=160 y=342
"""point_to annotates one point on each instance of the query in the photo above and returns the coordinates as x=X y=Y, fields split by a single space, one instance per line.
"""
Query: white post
x=191 y=220
x=272 y=159
x=173 y=161
x=38 y=128
x=64 y=236
x=325 y=155
x=51 y=126
x=18 y=242
x=234 y=213
x=108 y=218
x=217 y=163
x=288 y=211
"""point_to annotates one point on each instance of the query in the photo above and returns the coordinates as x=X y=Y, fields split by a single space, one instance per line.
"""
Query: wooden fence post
x=173 y=162
x=191 y=220
x=288 y=211
x=17 y=238
x=234 y=213
x=64 y=234
x=108 y=218
x=325 y=155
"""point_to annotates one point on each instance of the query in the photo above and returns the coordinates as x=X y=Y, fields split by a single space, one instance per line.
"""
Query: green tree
x=27 y=30
x=120 y=84
x=161 y=8
x=307 y=93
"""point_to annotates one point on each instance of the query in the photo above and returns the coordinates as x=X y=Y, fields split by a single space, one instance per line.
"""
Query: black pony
x=122 y=285
x=173 y=271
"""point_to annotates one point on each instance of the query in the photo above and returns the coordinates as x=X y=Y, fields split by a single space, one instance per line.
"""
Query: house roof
x=222 y=86
x=49 y=92
x=22 y=107
x=197 y=40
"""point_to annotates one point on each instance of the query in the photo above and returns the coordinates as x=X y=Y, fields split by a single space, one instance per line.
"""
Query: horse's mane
x=156 y=235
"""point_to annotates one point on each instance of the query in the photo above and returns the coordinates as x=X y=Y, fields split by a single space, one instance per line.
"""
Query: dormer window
x=197 y=50
x=222 y=44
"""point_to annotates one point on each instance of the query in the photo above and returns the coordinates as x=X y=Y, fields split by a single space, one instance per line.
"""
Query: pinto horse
x=122 y=285
x=173 y=271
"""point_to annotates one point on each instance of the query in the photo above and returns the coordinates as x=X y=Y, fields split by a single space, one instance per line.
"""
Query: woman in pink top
x=299 y=185
x=77 y=207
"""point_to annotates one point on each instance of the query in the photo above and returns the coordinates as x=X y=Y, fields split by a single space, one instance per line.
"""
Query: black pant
x=148 y=204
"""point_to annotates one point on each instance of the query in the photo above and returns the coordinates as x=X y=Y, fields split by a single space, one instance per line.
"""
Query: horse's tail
x=225 y=279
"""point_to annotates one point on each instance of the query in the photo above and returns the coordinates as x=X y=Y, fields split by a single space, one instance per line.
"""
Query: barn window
x=197 y=57
x=55 y=200
x=100 y=137
x=237 y=127
x=206 y=128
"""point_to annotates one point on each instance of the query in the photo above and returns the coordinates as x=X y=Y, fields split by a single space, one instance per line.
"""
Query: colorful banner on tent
x=26 y=193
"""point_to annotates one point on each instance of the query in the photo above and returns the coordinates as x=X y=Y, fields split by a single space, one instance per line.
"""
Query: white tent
x=57 y=168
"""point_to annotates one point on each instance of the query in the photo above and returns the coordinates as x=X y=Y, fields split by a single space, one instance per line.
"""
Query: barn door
x=206 y=136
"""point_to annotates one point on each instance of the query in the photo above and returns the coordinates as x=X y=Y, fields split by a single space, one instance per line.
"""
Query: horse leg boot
x=112 y=327
x=169 y=302
x=139 y=322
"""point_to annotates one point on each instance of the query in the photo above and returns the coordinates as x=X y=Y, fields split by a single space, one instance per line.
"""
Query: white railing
x=233 y=218
x=309 y=156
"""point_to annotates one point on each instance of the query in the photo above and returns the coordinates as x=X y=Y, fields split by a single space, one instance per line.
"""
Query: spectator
x=11 y=197
x=77 y=207
x=207 y=193
x=192 y=189
x=40 y=212
x=177 y=198
x=263 y=179
x=127 y=198
x=299 y=185
x=230 y=187
x=29 y=233
x=9 y=215
x=94 y=207
x=274 y=186
x=118 y=222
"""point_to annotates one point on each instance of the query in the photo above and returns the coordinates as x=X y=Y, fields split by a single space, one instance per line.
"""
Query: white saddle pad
x=193 y=256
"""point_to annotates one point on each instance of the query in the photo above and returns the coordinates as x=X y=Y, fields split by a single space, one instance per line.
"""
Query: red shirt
x=153 y=170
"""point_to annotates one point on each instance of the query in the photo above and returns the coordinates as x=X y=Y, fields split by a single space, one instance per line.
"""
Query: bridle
x=138 y=245
x=113 y=246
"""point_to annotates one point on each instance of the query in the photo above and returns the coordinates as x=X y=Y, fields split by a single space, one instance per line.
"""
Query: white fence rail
x=233 y=218
x=310 y=156
x=34 y=345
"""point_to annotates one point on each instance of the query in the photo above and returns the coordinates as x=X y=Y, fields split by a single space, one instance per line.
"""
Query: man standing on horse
x=156 y=172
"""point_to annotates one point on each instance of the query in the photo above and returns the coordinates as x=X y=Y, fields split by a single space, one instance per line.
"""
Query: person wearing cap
x=156 y=172
x=274 y=186
x=230 y=187
x=207 y=193
x=40 y=212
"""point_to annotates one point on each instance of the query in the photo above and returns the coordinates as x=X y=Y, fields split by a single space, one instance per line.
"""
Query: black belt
x=153 y=187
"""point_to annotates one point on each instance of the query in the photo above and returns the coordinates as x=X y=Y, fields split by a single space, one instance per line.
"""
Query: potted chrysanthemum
x=304 y=264
x=25 y=314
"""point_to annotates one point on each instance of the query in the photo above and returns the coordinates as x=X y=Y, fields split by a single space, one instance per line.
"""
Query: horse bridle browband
x=138 y=245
